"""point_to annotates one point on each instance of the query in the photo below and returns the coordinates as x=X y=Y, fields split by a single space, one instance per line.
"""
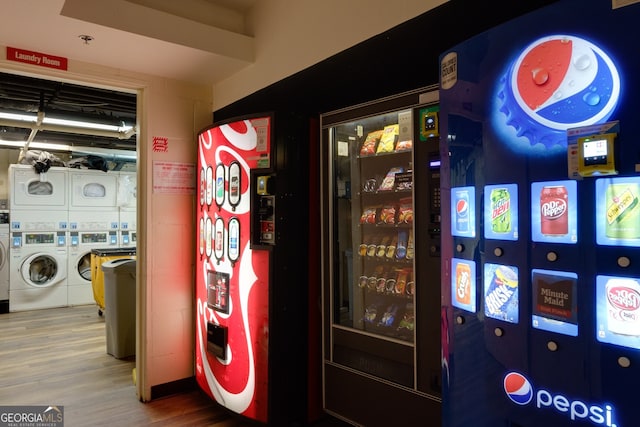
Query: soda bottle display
x=462 y=211
x=554 y=211
x=622 y=211
x=463 y=283
x=500 y=210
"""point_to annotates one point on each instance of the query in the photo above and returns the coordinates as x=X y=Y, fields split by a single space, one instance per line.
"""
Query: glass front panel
x=373 y=234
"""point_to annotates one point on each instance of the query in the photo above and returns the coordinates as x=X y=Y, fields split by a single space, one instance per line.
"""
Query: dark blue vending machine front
x=541 y=220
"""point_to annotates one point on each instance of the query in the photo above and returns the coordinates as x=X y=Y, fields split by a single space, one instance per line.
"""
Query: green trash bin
x=120 y=305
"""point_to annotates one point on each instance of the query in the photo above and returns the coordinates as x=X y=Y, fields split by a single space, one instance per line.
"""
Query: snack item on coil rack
x=390 y=179
x=369 y=145
x=387 y=215
x=405 y=145
x=388 y=139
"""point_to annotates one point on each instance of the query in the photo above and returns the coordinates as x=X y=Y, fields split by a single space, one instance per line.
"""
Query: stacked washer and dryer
x=127 y=204
x=93 y=223
x=38 y=210
x=54 y=222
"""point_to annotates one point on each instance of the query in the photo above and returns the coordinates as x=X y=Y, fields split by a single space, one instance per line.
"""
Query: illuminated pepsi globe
x=556 y=83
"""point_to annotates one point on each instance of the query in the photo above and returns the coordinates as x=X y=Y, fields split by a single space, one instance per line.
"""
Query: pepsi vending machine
x=254 y=325
x=541 y=220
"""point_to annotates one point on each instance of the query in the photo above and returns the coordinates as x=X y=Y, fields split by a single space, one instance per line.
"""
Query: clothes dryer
x=127 y=208
x=93 y=200
x=38 y=270
x=30 y=190
x=4 y=258
x=81 y=243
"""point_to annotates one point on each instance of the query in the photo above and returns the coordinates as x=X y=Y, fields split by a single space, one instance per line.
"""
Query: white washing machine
x=93 y=200
x=127 y=208
x=79 y=288
x=29 y=190
x=4 y=257
x=37 y=270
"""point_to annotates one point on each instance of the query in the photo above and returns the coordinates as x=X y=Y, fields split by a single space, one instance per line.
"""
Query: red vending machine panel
x=232 y=278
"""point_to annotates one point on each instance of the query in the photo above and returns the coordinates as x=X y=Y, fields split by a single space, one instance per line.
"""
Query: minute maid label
x=623 y=211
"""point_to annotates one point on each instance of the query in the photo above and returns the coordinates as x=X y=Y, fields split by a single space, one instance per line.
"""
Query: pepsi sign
x=557 y=82
x=521 y=392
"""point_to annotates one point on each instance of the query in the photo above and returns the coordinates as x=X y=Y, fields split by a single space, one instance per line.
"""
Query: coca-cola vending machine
x=541 y=220
x=255 y=327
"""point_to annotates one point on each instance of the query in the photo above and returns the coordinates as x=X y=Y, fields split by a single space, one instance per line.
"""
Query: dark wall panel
x=398 y=60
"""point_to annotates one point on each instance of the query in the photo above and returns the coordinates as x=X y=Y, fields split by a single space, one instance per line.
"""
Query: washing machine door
x=83 y=266
x=4 y=251
x=42 y=270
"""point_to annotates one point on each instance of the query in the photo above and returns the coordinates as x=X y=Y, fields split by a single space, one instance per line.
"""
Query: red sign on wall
x=160 y=144
x=36 y=58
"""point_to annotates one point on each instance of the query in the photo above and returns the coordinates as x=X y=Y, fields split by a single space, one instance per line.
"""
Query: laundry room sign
x=36 y=58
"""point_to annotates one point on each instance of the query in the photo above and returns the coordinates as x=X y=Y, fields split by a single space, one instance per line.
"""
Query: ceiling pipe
x=108 y=154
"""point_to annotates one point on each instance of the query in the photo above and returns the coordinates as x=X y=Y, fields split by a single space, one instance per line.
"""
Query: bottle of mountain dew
x=500 y=210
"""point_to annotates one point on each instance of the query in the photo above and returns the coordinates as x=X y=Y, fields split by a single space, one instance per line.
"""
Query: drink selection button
x=624 y=362
x=624 y=262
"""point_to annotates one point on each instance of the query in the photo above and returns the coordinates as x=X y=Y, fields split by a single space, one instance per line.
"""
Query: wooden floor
x=58 y=357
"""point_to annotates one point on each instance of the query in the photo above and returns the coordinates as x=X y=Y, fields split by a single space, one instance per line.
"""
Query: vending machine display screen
x=554 y=302
x=595 y=152
x=554 y=212
x=463 y=284
x=501 y=292
x=618 y=310
x=463 y=208
x=501 y=212
x=618 y=211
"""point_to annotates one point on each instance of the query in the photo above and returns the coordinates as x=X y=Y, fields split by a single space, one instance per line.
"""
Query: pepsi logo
x=518 y=388
x=556 y=83
x=462 y=207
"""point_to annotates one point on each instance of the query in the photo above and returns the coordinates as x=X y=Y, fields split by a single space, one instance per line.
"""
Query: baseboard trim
x=174 y=387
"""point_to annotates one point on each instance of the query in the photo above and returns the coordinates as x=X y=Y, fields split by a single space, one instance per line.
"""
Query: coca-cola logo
x=553 y=209
x=624 y=298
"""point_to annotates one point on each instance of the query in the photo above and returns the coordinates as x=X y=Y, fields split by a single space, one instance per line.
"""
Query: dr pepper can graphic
x=554 y=210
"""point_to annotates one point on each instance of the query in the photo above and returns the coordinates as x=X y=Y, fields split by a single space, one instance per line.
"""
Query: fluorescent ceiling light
x=64 y=122
x=19 y=117
x=87 y=125
x=38 y=145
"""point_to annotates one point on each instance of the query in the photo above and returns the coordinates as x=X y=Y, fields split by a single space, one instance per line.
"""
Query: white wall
x=291 y=35
x=177 y=111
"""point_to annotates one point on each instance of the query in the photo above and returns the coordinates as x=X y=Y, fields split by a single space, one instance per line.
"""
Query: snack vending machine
x=541 y=220
x=381 y=261
x=253 y=328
